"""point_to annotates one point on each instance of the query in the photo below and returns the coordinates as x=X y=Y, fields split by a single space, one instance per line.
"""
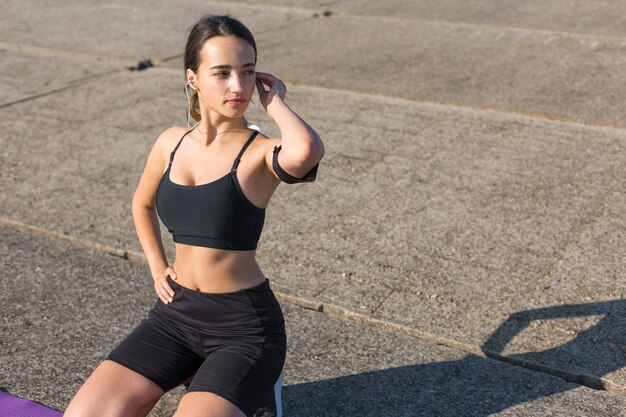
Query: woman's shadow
x=474 y=385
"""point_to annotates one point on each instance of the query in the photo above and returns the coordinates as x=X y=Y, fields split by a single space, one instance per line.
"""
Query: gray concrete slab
x=85 y=153
x=485 y=229
x=534 y=73
x=25 y=75
x=593 y=18
x=429 y=216
x=63 y=307
x=592 y=272
x=554 y=75
x=141 y=30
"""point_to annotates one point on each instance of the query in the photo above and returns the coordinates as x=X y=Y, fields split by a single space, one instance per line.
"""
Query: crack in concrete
x=73 y=84
x=382 y=301
x=594 y=213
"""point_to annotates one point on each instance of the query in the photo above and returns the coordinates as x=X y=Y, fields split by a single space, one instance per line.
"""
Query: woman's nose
x=235 y=83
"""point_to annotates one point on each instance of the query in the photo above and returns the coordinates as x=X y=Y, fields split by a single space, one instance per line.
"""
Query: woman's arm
x=146 y=220
x=301 y=148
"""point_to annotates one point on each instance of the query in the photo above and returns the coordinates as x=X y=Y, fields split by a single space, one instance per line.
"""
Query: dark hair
x=205 y=28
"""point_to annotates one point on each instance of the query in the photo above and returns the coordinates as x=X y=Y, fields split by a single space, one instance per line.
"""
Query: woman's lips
x=236 y=102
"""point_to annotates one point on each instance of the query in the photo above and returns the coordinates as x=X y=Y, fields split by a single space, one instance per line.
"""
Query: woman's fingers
x=259 y=87
x=163 y=288
x=172 y=274
x=268 y=79
x=265 y=75
x=168 y=289
x=164 y=291
x=165 y=298
x=276 y=87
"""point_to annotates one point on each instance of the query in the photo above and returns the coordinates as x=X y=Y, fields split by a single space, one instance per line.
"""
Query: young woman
x=216 y=323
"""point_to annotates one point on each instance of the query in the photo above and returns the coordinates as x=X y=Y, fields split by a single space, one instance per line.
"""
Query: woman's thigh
x=113 y=390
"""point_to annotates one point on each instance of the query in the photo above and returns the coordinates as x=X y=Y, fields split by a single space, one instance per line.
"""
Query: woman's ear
x=191 y=78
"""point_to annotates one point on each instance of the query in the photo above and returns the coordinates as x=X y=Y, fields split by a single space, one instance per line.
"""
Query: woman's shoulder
x=172 y=134
x=167 y=139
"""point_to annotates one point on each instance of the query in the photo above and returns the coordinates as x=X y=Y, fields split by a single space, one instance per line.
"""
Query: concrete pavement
x=470 y=202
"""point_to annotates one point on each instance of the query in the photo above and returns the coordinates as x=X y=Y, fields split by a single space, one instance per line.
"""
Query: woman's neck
x=210 y=131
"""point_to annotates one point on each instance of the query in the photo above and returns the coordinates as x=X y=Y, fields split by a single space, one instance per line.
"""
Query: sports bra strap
x=243 y=149
x=177 y=145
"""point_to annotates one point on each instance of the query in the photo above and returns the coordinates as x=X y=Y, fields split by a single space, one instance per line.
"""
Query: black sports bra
x=215 y=215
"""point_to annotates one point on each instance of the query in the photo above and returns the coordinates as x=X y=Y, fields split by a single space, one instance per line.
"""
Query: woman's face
x=226 y=72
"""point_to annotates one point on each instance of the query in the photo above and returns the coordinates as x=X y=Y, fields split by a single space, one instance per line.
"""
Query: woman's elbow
x=138 y=203
x=313 y=152
x=318 y=148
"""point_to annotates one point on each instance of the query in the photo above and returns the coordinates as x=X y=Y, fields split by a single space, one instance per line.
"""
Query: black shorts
x=234 y=343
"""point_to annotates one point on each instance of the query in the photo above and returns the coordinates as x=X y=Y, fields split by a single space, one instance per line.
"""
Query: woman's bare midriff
x=216 y=270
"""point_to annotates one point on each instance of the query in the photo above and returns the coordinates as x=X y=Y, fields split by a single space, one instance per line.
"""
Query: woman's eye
x=225 y=73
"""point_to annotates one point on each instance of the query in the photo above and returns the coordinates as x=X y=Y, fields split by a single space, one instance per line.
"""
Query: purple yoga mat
x=11 y=406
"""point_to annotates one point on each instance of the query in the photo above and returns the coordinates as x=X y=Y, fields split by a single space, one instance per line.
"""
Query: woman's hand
x=277 y=88
x=162 y=287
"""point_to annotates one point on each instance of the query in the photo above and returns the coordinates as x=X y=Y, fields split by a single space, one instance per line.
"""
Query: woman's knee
x=113 y=390
x=199 y=404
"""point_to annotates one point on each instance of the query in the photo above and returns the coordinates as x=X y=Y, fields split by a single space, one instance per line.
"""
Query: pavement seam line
x=437 y=22
x=332 y=310
x=86 y=243
x=494 y=28
x=532 y=116
x=63 y=53
x=158 y=62
x=590 y=381
x=516 y=115
x=266 y=7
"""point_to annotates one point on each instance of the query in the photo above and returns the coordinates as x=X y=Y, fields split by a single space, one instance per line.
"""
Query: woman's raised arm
x=301 y=149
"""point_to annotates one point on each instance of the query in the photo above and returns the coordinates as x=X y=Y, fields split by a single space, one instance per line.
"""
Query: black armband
x=289 y=179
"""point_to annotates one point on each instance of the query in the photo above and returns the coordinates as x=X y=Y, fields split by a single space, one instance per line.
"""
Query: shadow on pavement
x=474 y=385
